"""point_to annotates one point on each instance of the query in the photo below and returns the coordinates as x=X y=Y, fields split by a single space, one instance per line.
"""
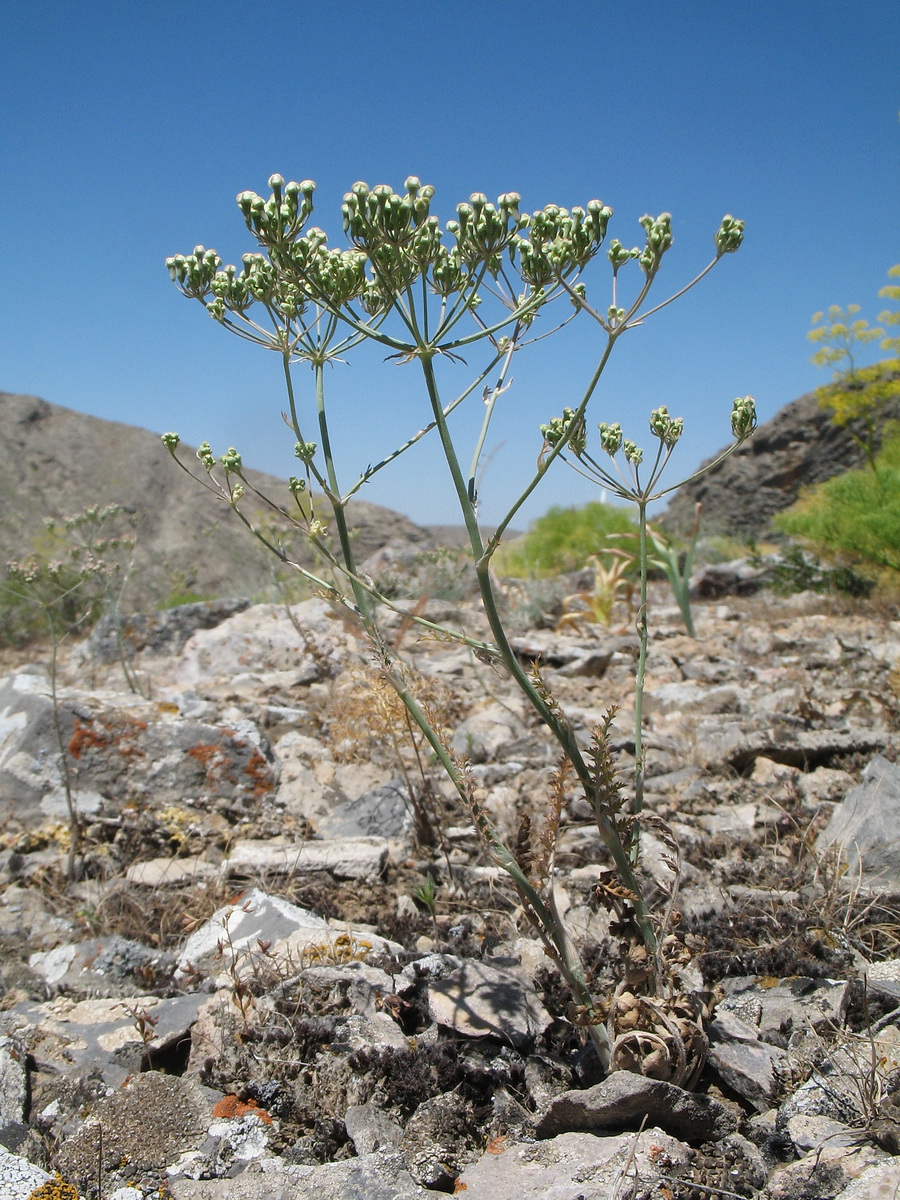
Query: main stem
x=559 y=727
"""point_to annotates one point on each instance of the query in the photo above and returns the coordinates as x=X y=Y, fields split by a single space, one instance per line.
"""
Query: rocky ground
x=251 y=989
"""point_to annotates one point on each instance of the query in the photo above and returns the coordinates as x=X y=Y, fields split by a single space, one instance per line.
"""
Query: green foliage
x=855 y=517
x=800 y=571
x=563 y=539
x=860 y=397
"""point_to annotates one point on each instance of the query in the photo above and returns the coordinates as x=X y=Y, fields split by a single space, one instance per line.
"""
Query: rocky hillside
x=800 y=446
x=57 y=462
x=244 y=996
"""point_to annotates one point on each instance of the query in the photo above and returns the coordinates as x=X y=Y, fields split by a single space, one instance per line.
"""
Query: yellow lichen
x=55 y=1189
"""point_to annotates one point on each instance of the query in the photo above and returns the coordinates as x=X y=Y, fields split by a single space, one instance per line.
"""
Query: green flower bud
x=743 y=417
x=566 y=428
x=170 y=441
x=633 y=453
x=237 y=493
x=305 y=451
x=730 y=235
x=296 y=486
x=610 y=437
x=231 y=460
x=206 y=456
x=667 y=429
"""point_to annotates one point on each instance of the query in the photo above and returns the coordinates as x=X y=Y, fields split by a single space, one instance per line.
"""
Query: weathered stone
x=111 y=966
x=344 y=858
x=865 y=828
x=378 y=1176
x=480 y=1000
x=624 y=1099
x=145 y=1125
x=573 y=1166
x=371 y=1129
x=779 y=1009
x=110 y=1037
x=256 y=917
x=824 y=1172
x=127 y=752
x=749 y=1066
x=13 y=1081
x=19 y=1177
x=264 y=638
x=438 y=1141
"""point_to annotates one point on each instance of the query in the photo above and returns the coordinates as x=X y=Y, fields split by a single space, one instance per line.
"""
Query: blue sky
x=128 y=129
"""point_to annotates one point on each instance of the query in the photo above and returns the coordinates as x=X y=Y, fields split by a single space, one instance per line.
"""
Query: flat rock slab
x=478 y=1000
x=104 y=1035
x=378 y=1176
x=624 y=1099
x=573 y=1166
x=343 y=857
x=232 y=937
x=865 y=828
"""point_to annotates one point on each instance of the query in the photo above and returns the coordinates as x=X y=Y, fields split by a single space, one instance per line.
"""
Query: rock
x=110 y=1038
x=779 y=1009
x=13 y=1081
x=230 y=940
x=125 y=753
x=865 y=828
x=146 y=1125
x=344 y=858
x=438 y=1140
x=824 y=1172
x=480 y=1000
x=624 y=1098
x=257 y=917
x=378 y=1176
x=740 y=577
x=162 y=632
x=884 y=977
x=311 y=643
x=881 y=1181
x=111 y=966
x=573 y=1166
x=749 y=1066
x=370 y=1128
x=798 y=447
x=19 y=1177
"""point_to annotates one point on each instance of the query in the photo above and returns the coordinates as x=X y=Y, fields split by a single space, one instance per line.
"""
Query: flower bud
x=633 y=453
x=743 y=417
x=170 y=441
x=305 y=451
x=231 y=460
x=610 y=437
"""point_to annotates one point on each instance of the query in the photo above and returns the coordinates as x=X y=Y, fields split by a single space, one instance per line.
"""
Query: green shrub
x=563 y=539
x=855 y=517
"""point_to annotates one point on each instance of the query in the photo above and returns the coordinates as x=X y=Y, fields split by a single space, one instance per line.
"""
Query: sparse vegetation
x=855 y=517
x=563 y=539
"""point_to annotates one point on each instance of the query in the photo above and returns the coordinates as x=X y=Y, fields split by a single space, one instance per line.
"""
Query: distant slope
x=799 y=446
x=56 y=462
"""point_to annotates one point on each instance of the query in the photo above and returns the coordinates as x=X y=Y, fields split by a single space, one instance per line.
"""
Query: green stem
x=558 y=726
x=639 y=681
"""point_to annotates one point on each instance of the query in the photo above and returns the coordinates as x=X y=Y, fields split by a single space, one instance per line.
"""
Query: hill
x=798 y=447
x=57 y=462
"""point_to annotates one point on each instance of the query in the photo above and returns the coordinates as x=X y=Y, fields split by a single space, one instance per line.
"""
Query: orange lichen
x=230 y=1106
x=258 y=770
x=55 y=1189
x=85 y=737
